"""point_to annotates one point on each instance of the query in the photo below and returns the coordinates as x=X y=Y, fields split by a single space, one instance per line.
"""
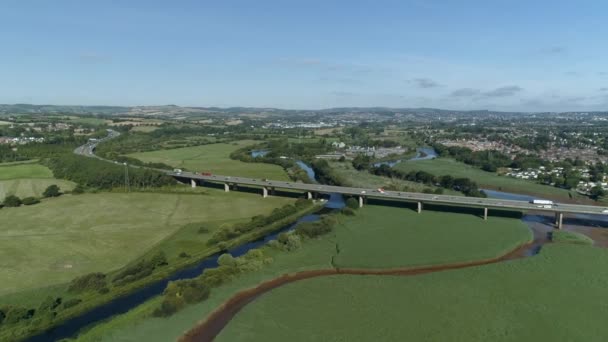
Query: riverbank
x=208 y=329
x=318 y=254
x=521 y=300
x=95 y=306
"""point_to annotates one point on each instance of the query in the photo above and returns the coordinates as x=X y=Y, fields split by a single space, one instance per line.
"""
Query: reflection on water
x=422 y=153
x=259 y=153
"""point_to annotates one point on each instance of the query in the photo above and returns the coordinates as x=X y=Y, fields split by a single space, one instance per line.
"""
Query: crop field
x=213 y=158
x=315 y=254
x=59 y=239
x=446 y=166
x=26 y=180
x=554 y=296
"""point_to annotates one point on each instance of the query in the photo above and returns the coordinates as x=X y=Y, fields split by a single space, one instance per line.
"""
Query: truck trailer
x=541 y=201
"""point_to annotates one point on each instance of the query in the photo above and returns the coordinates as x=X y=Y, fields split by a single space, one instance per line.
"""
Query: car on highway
x=605 y=211
x=362 y=191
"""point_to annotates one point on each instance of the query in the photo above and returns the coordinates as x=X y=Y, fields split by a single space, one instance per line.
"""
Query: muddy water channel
x=540 y=225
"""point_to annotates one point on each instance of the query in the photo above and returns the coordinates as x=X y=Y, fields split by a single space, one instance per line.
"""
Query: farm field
x=14 y=171
x=213 y=158
x=318 y=254
x=365 y=179
x=446 y=166
x=74 y=235
x=548 y=297
x=26 y=179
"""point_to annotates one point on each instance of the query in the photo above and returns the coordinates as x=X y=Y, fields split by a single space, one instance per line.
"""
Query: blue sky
x=467 y=54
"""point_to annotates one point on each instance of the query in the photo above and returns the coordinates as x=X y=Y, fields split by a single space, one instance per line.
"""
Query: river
x=123 y=304
x=422 y=153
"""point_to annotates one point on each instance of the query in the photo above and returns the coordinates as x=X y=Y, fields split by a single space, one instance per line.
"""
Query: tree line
x=99 y=174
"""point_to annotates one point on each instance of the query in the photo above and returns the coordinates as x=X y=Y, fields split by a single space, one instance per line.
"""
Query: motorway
x=557 y=208
x=394 y=195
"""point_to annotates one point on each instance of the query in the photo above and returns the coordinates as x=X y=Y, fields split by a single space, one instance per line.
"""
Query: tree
x=226 y=260
x=352 y=203
x=51 y=191
x=597 y=192
x=12 y=201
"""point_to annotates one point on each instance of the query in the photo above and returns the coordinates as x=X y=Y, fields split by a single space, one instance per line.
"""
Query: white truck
x=542 y=203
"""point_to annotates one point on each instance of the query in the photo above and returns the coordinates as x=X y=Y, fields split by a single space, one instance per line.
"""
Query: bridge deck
x=395 y=195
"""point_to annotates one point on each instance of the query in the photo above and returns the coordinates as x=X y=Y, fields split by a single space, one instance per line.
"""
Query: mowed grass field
x=447 y=166
x=554 y=296
x=27 y=179
x=214 y=158
x=59 y=239
x=322 y=253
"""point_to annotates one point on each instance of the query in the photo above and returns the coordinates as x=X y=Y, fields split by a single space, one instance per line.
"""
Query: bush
x=293 y=242
x=87 y=282
x=51 y=191
x=18 y=313
x=79 y=189
x=352 y=203
x=283 y=237
x=348 y=211
x=203 y=230
x=104 y=290
x=30 y=201
x=71 y=302
x=184 y=255
x=12 y=201
x=226 y=260
x=276 y=245
x=49 y=304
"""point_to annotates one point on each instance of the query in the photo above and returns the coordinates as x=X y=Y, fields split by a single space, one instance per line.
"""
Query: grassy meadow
x=446 y=166
x=385 y=237
x=27 y=179
x=214 y=158
x=554 y=296
x=321 y=253
x=363 y=179
x=59 y=239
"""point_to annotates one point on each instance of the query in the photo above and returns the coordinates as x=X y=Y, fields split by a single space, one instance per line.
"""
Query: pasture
x=490 y=180
x=554 y=296
x=57 y=240
x=214 y=158
x=347 y=237
x=27 y=179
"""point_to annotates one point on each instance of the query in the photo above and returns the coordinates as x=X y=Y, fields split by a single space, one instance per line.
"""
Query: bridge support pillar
x=309 y=195
x=419 y=207
x=193 y=183
x=235 y=187
x=559 y=217
x=264 y=192
x=226 y=187
x=485 y=214
x=360 y=201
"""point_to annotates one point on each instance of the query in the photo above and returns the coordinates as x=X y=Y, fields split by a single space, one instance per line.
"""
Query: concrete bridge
x=268 y=187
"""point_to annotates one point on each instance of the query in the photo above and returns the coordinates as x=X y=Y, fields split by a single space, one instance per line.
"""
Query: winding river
x=120 y=305
x=71 y=327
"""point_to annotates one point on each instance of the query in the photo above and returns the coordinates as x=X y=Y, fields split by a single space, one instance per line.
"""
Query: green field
x=446 y=166
x=555 y=296
x=59 y=239
x=385 y=237
x=26 y=179
x=15 y=171
x=362 y=179
x=214 y=158
x=137 y=325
